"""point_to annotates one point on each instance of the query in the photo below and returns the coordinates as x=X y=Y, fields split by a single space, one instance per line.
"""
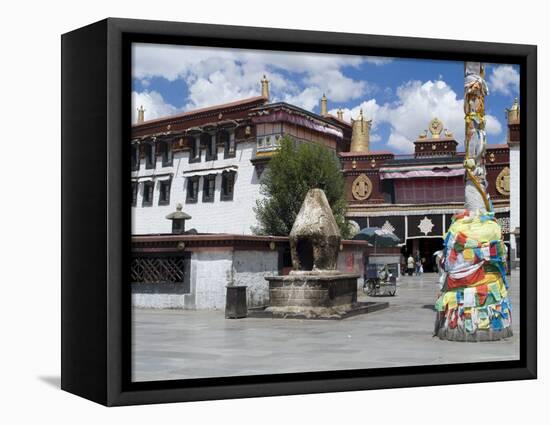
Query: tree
x=292 y=172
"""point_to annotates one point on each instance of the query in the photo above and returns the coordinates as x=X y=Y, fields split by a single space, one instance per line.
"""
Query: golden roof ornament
x=435 y=127
x=265 y=87
x=512 y=114
x=360 y=134
x=324 y=106
x=141 y=115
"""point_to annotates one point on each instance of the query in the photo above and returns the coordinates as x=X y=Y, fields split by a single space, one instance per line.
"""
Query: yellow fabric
x=483 y=323
x=450 y=299
x=473 y=228
x=468 y=254
x=492 y=280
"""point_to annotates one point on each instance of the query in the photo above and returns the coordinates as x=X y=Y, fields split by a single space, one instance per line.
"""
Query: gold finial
x=265 y=87
x=435 y=128
x=423 y=135
x=513 y=113
x=340 y=114
x=360 y=129
x=324 y=106
x=141 y=115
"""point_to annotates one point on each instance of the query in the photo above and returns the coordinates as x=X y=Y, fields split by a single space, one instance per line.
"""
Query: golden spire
x=265 y=87
x=512 y=114
x=360 y=129
x=141 y=115
x=324 y=104
x=340 y=114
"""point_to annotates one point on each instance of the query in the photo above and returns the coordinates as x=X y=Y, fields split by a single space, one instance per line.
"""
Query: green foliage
x=295 y=169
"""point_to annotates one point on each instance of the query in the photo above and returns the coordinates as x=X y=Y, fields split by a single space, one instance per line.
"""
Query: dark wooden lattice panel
x=157 y=269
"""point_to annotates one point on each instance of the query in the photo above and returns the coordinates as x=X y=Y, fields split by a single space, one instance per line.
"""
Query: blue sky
x=401 y=96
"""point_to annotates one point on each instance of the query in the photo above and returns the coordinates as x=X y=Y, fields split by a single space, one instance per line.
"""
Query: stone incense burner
x=314 y=288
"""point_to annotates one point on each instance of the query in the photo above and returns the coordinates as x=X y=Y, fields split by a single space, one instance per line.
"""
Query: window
x=192 y=189
x=134 y=193
x=166 y=154
x=228 y=184
x=210 y=145
x=194 y=149
x=148 y=193
x=135 y=156
x=228 y=141
x=208 y=188
x=149 y=155
x=164 y=192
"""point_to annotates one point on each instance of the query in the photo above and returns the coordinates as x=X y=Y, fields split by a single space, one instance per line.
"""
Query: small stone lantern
x=178 y=218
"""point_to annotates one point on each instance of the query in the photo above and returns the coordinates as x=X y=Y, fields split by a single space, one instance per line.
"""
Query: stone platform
x=319 y=314
x=314 y=295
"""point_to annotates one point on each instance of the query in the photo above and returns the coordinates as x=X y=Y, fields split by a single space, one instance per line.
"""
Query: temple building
x=210 y=160
x=415 y=196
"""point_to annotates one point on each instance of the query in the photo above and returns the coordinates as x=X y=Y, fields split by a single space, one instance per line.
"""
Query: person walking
x=417 y=264
x=410 y=265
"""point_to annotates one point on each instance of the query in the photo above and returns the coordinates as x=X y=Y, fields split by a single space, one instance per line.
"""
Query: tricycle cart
x=379 y=281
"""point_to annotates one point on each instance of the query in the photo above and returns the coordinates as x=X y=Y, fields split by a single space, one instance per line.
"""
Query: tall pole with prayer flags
x=473 y=304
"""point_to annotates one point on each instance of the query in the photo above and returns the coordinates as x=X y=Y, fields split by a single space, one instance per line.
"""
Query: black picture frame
x=96 y=198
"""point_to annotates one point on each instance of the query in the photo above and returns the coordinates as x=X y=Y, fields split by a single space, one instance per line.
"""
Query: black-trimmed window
x=134 y=193
x=166 y=152
x=228 y=185
x=228 y=144
x=192 y=190
x=194 y=149
x=208 y=188
x=150 y=159
x=148 y=193
x=135 y=156
x=209 y=144
x=164 y=191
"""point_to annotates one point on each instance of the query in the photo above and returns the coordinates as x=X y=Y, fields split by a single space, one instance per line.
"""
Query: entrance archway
x=426 y=247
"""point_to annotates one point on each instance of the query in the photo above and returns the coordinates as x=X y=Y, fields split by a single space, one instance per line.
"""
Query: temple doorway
x=426 y=247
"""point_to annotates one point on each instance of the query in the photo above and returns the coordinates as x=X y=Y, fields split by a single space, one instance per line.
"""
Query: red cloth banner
x=466 y=277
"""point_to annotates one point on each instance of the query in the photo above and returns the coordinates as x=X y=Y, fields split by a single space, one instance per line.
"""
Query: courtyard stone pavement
x=179 y=344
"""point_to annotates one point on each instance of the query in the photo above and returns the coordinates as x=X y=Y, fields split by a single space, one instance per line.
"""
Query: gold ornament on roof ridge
x=436 y=127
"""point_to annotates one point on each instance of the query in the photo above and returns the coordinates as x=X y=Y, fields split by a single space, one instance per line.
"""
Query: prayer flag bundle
x=474 y=303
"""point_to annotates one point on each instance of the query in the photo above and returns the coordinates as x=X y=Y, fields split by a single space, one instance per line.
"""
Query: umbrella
x=377 y=237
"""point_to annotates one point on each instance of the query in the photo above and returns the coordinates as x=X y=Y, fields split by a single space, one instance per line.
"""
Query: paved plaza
x=179 y=344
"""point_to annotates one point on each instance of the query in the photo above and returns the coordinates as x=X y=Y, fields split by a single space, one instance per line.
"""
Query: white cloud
x=215 y=75
x=307 y=98
x=492 y=125
x=153 y=103
x=504 y=79
x=400 y=143
x=416 y=105
x=378 y=60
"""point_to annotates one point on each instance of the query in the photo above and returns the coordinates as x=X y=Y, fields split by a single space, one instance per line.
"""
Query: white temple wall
x=236 y=216
x=514 y=197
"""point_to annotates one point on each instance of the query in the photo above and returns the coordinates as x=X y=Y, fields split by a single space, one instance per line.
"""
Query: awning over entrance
x=448 y=170
x=421 y=225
